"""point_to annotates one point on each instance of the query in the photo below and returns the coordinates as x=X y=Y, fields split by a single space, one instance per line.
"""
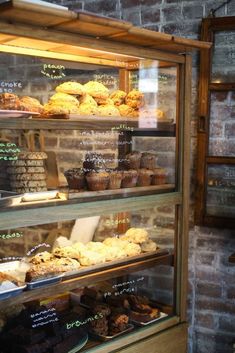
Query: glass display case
x=94 y=184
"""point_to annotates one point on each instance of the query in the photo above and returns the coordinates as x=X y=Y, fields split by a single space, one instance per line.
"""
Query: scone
x=103 y=101
x=41 y=258
x=112 y=253
x=132 y=249
x=60 y=108
x=89 y=258
x=135 y=99
x=70 y=87
x=67 y=264
x=67 y=251
x=118 y=97
x=87 y=99
x=148 y=245
x=120 y=243
x=63 y=98
x=136 y=235
x=96 y=89
x=108 y=110
x=30 y=104
x=88 y=109
x=127 y=111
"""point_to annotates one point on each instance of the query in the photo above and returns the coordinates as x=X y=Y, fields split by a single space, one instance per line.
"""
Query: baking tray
x=16 y=114
x=11 y=292
x=44 y=282
x=108 y=338
x=81 y=344
x=141 y=324
x=8 y=198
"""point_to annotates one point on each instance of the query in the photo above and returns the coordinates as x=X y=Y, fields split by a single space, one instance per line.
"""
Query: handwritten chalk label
x=119 y=290
x=11 y=258
x=8 y=151
x=79 y=323
x=53 y=71
x=107 y=80
x=111 y=222
x=11 y=235
x=37 y=247
x=44 y=317
x=10 y=86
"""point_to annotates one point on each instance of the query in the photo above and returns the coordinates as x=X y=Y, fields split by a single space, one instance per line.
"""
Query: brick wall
x=211 y=282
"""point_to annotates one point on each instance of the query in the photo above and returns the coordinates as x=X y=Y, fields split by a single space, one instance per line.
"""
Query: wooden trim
x=222 y=86
x=219 y=222
x=220 y=160
x=45 y=215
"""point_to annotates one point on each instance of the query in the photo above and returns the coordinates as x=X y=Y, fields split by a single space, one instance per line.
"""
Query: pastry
x=133 y=160
x=67 y=251
x=42 y=257
x=118 y=323
x=89 y=258
x=129 y=178
x=116 y=242
x=67 y=264
x=96 y=89
x=136 y=235
x=63 y=98
x=8 y=282
x=127 y=111
x=87 y=99
x=27 y=189
x=100 y=327
x=60 y=108
x=97 y=180
x=28 y=184
x=75 y=178
x=118 y=97
x=132 y=249
x=88 y=109
x=32 y=155
x=23 y=170
x=30 y=104
x=135 y=99
x=144 y=177
x=159 y=176
x=28 y=177
x=26 y=163
x=108 y=110
x=148 y=245
x=112 y=253
x=144 y=317
x=79 y=247
x=70 y=87
x=93 y=162
x=103 y=309
x=104 y=101
x=148 y=160
x=115 y=179
x=9 y=101
x=42 y=271
x=95 y=246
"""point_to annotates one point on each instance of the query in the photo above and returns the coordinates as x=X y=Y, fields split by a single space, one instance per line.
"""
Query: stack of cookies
x=27 y=173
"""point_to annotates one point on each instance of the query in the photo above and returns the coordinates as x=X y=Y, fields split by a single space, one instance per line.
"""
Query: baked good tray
x=16 y=114
x=44 y=282
x=141 y=323
x=11 y=292
x=108 y=338
x=94 y=268
x=79 y=346
x=9 y=198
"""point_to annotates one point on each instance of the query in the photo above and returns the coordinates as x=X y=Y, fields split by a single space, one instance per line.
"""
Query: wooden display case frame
x=24 y=26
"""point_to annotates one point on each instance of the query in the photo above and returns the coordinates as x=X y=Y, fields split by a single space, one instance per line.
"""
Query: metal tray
x=44 y=282
x=16 y=114
x=11 y=292
x=141 y=324
x=8 y=198
x=108 y=338
x=81 y=344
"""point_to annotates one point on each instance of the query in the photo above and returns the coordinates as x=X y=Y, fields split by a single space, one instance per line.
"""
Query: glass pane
x=121 y=139
x=223 y=57
x=222 y=128
x=221 y=191
x=120 y=302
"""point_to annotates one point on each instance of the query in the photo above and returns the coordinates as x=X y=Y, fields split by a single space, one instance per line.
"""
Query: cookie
x=32 y=155
x=27 y=163
x=30 y=176
x=22 y=170
x=28 y=183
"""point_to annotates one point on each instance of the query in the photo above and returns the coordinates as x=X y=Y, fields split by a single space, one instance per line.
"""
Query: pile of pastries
x=10 y=101
x=93 y=98
x=69 y=258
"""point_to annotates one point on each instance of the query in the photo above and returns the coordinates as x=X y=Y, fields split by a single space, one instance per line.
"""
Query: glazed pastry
x=96 y=89
x=108 y=110
x=70 y=87
x=135 y=99
x=136 y=235
x=118 y=97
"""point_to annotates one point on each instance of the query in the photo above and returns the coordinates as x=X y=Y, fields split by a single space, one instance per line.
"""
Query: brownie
x=67 y=344
x=103 y=309
x=118 y=323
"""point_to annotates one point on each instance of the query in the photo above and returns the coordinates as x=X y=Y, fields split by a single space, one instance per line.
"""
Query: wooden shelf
x=86 y=123
x=94 y=274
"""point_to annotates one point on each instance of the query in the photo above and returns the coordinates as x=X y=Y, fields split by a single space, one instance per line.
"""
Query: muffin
x=118 y=97
x=129 y=178
x=115 y=179
x=97 y=181
x=75 y=178
x=126 y=111
x=159 y=176
x=144 y=177
x=133 y=160
x=93 y=162
x=135 y=99
x=148 y=160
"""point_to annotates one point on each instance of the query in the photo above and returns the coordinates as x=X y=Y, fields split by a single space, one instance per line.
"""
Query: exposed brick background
x=211 y=279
